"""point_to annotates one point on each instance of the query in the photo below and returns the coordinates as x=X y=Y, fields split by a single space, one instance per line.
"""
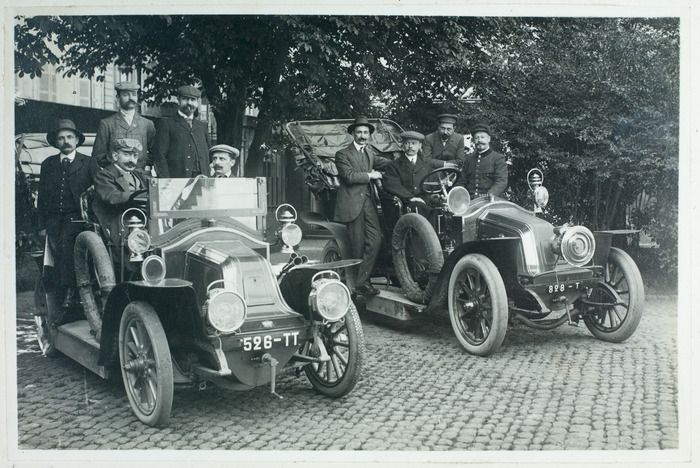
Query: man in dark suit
x=64 y=177
x=182 y=142
x=444 y=143
x=357 y=166
x=224 y=161
x=405 y=172
x=484 y=171
x=126 y=123
x=114 y=185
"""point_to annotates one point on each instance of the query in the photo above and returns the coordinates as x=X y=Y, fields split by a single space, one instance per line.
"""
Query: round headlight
x=330 y=298
x=138 y=241
x=153 y=269
x=226 y=311
x=291 y=234
x=541 y=196
x=577 y=245
x=458 y=201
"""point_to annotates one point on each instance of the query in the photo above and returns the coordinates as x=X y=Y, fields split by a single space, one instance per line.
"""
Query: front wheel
x=146 y=364
x=344 y=341
x=478 y=305
x=617 y=303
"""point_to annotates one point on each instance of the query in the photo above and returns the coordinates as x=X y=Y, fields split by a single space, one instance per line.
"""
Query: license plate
x=259 y=342
x=561 y=287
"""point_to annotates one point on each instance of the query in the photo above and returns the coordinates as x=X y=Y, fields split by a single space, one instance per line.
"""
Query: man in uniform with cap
x=64 y=177
x=484 y=171
x=357 y=167
x=444 y=143
x=182 y=142
x=126 y=123
x=405 y=172
x=114 y=185
x=223 y=161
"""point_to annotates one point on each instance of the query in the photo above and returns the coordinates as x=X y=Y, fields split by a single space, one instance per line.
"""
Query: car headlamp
x=541 y=195
x=458 y=201
x=225 y=310
x=139 y=241
x=153 y=269
x=329 y=298
x=291 y=235
x=575 y=244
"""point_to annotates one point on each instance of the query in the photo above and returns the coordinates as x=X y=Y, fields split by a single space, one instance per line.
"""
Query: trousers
x=62 y=243
x=366 y=240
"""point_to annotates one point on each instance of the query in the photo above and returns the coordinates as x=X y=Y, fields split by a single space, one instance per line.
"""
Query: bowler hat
x=224 y=149
x=64 y=124
x=361 y=121
x=189 y=91
x=447 y=118
x=127 y=145
x=126 y=86
x=412 y=135
x=481 y=127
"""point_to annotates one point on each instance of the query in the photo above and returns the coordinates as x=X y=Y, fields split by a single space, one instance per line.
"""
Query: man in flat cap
x=357 y=166
x=114 y=185
x=64 y=177
x=403 y=175
x=224 y=160
x=182 y=142
x=484 y=171
x=126 y=123
x=444 y=143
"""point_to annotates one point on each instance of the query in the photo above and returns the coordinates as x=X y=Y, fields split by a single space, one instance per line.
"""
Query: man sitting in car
x=114 y=185
x=485 y=171
x=223 y=161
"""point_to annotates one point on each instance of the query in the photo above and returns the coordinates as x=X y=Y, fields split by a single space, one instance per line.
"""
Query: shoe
x=366 y=290
x=69 y=299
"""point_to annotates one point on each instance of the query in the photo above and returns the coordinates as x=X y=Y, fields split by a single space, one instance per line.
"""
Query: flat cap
x=189 y=91
x=481 y=127
x=412 y=135
x=224 y=149
x=127 y=145
x=126 y=86
x=447 y=118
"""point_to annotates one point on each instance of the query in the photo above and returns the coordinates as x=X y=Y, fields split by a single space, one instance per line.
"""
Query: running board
x=392 y=303
x=75 y=341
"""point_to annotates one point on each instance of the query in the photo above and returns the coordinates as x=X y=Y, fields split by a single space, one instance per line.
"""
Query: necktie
x=189 y=122
x=65 y=164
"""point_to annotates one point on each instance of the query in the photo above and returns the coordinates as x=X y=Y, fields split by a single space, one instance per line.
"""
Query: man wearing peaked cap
x=182 y=141
x=224 y=160
x=125 y=123
x=484 y=171
x=64 y=177
x=444 y=143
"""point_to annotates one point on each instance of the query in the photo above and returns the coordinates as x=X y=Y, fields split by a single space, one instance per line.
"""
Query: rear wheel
x=478 y=305
x=147 y=368
x=344 y=341
x=48 y=306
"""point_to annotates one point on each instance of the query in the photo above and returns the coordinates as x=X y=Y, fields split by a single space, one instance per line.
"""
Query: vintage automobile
x=492 y=262
x=190 y=297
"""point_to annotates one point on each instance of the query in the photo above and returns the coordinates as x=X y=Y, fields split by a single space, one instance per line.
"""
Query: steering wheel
x=439 y=179
x=136 y=195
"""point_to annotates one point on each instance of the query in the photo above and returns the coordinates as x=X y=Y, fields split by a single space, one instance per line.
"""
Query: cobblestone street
x=420 y=391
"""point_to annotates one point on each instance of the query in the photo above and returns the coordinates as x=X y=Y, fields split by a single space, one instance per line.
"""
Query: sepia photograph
x=284 y=234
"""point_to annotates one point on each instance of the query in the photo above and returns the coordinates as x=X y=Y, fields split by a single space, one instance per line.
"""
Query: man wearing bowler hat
x=224 y=160
x=444 y=143
x=64 y=177
x=182 y=143
x=126 y=123
x=357 y=167
x=484 y=171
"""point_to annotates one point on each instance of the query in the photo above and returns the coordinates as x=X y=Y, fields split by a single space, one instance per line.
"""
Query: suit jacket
x=484 y=174
x=112 y=191
x=353 y=172
x=452 y=151
x=80 y=175
x=402 y=177
x=178 y=147
x=114 y=127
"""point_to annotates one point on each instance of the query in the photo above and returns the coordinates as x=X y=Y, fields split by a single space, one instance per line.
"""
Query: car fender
x=338 y=230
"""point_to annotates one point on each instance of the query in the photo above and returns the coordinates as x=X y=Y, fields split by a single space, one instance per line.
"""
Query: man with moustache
x=444 y=143
x=126 y=123
x=357 y=167
x=223 y=160
x=114 y=185
x=64 y=177
x=182 y=142
x=485 y=171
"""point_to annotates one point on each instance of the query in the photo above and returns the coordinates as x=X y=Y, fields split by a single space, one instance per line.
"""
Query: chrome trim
x=176 y=244
x=527 y=237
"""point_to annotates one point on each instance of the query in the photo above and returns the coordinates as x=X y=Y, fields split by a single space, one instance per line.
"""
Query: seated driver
x=114 y=184
x=403 y=176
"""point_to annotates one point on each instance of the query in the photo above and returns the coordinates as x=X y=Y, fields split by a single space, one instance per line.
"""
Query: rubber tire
x=356 y=358
x=163 y=362
x=636 y=299
x=41 y=303
x=425 y=232
x=499 y=303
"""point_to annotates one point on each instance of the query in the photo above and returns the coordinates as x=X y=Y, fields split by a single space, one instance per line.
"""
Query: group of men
x=482 y=172
x=128 y=149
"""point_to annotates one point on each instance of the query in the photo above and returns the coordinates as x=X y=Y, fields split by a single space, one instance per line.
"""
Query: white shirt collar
x=128 y=115
x=412 y=159
x=184 y=116
x=358 y=147
x=69 y=157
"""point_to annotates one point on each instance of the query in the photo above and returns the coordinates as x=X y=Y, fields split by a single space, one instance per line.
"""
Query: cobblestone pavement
x=543 y=390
